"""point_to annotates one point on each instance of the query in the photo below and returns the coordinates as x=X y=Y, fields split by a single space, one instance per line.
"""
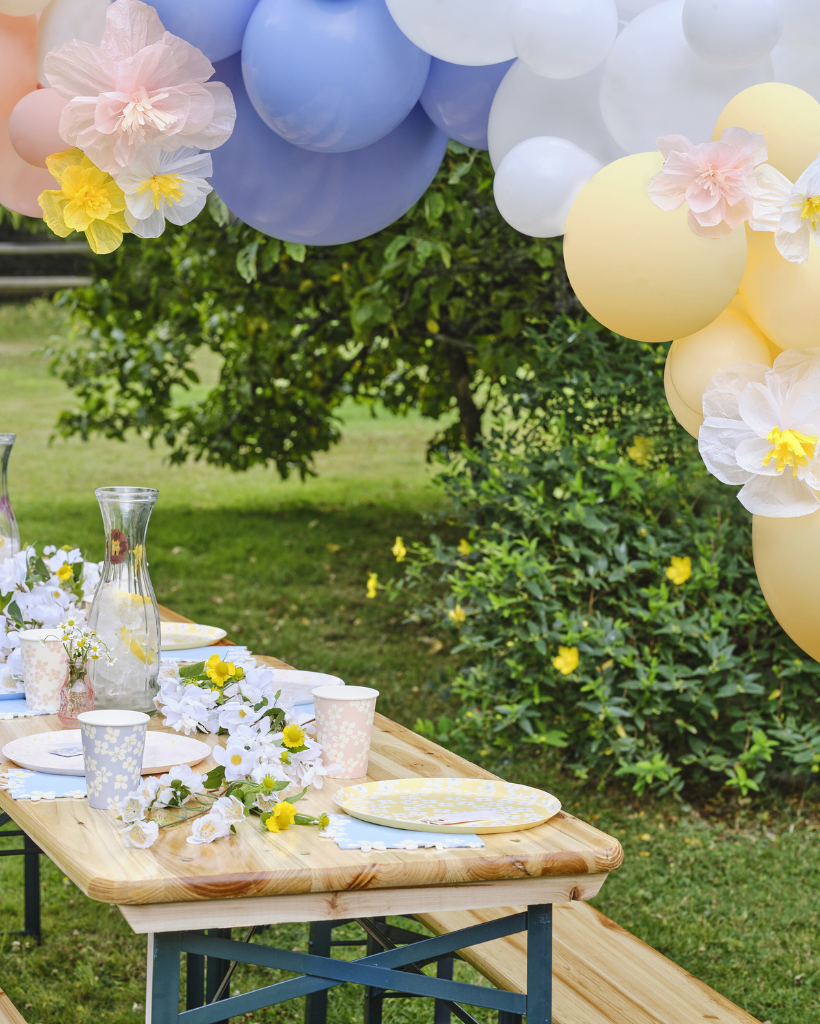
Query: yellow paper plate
x=408 y=803
x=184 y=636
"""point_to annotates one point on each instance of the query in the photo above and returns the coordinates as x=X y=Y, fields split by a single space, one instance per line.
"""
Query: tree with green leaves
x=429 y=314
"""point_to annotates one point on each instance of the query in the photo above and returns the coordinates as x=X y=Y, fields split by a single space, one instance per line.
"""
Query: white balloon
x=19 y=8
x=537 y=182
x=563 y=38
x=459 y=31
x=629 y=8
x=64 y=20
x=733 y=33
x=527 y=104
x=653 y=84
x=801 y=28
x=800 y=68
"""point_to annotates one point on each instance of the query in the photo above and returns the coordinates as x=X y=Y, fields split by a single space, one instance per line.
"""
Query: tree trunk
x=460 y=380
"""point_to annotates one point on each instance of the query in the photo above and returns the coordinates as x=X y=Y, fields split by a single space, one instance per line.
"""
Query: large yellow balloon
x=787 y=561
x=639 y=270
x=739 y=306
x=690 y=420
x=783 y=298
x=693 y=361
x=786 y=117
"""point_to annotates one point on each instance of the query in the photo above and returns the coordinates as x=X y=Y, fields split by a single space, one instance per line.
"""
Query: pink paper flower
x=712 y=177
x=141 y=85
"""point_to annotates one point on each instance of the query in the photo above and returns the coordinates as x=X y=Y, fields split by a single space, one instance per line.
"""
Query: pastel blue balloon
x=217 y=27
x=331 y=75
x=321 y=198
x=458 y=97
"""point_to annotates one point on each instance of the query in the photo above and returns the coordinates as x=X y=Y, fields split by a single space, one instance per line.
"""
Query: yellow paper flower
x=219 y=671
x=457 y=614
x=399 y=550
x=65 y=572
x=566 y=661
x=88 y=200
x=642 y=450
x=293 y=736
x=283 y=816
x=680 y=570
x=372 y=584
x=463 y=547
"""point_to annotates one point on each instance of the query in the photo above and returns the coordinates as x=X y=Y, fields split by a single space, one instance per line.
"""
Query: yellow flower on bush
x=219 y=671
x=567 y=660
x=463 y=547
x=457 y=614
x=282 y=817
x=399 y=550
x=65 y=572
x=642 y=450
x=680 y=570
x=372 y=584
x=88 y=200
x=293 y=736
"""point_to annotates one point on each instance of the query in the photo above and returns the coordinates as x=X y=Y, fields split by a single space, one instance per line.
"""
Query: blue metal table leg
x=539 y=964
x=165 y=978
x=373 y=997
x=321 y=933
x=444 y=969
x=195 y=980
x=216 y=970
x=31 y=878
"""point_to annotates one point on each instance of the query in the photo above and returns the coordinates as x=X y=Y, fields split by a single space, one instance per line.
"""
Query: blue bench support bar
x=31 y=879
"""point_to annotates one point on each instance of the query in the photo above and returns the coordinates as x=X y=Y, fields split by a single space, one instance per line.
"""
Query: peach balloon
x=33 y=126
x=19 y=8
x=18 y=49
x=690 y=420
x=20 y=183
x=694 y=360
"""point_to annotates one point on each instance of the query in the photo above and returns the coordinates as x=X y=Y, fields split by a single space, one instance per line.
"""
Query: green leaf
x=189 y=671
x=14 y=613
x=246 y=261
x=215 y=779
x=296 y=251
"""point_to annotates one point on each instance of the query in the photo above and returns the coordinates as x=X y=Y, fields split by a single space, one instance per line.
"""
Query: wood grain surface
x=9 y=1014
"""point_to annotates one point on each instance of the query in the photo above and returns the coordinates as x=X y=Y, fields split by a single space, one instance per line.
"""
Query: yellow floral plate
x=431 y=805
x=184 y=636
x=162 y=752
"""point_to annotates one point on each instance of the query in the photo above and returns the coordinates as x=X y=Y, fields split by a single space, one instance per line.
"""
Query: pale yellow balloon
x=786 y=117
x=640 y=270
x=787 y=561
x=693 y=361
x=739 y=306
x=19 y=8
x=690 y=420
x=783 y=298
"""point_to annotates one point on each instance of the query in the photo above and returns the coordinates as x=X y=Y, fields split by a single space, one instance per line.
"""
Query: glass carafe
x=9 y=534
x=124 y=610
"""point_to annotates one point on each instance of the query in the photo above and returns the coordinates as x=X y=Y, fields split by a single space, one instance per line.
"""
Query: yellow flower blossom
x=464 y=547
x=457 y=614
x=219 y=671
x=399 y=550
x=642 y=450
x=282 y=817
x=88 y=200
x=293 y=736
x=567 y=660
x=65 y=572
x=680 y=570
x=372 y=584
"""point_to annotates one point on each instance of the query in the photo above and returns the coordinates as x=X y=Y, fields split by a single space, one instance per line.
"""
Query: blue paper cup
x=113 y=747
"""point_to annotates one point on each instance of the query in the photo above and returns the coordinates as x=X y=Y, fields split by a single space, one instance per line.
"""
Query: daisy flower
x=160 y=186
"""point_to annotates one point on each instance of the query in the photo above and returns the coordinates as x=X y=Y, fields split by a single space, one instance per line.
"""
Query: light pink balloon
x=20 y=183
x=18 y=60
x=33 y=126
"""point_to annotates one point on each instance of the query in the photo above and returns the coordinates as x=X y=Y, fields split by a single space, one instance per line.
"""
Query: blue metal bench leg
x=31 y=879
x=216 y=970
x=539 y=964
x=321 y=933
x=442 y=1013
x=165 y=977
x=195 y=980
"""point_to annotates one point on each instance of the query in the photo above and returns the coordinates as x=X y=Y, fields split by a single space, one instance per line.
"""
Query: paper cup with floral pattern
x=113 y=747
x=45 y=668
x=344 y=724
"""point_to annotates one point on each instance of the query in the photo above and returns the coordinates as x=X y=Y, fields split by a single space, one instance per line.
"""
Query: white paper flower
x=238 y=713
x=791 y=211
x=761 y=429
x=236 y=759
x=140 y=834
x=159 y=186
x=132 y=807
x=208 y=828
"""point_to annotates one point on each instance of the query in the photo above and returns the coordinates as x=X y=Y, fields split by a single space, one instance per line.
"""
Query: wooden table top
x=85 y=842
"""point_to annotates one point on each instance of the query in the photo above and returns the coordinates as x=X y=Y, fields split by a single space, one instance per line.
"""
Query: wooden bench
x=602 y=974
x=9 y=1013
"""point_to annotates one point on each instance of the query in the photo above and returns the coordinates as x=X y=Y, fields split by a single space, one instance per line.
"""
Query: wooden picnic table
x=174 y=890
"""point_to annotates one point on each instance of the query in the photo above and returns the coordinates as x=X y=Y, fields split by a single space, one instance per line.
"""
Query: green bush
x=570 y=516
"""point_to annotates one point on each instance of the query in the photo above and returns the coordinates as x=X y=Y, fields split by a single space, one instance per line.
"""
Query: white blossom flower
x=159 y=186
x=132 y=807
x=147 y=792
x=236 y=759
x=208 y=828
x=140 y=834
x=234 y=714
x=761 y=429
x=190 y=781
x=229 y=808
x=792 y=212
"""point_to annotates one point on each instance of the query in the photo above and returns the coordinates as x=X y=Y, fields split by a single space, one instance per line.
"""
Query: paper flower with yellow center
x=161 y=186
x=567 y=660
x=282 y=817
x=791 y=211
x=88 y=200
x=293 y=736
x=680 y=569
x=761 y=429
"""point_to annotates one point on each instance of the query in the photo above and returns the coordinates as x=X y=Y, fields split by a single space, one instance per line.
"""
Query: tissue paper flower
x=208 y=828
x=88 y=200
x=761 y=428
x=141 y=85
x=140 y=834
x=160 y=186
x=791 y=211
x=713 y=178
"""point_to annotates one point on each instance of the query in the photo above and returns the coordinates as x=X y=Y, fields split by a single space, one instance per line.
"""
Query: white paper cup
x=45 y=668
x=344 y=725
x=113 y=748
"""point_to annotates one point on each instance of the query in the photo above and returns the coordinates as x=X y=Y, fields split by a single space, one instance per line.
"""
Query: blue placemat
x=203 y=653
x=354 y=834
x=16 y=695
x=17 y=708
x=25 y=785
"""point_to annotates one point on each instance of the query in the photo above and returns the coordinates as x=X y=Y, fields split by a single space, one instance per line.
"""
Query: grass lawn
x=727 y=891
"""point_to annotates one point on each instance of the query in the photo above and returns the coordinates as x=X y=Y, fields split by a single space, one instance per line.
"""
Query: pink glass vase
x=76 y=696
